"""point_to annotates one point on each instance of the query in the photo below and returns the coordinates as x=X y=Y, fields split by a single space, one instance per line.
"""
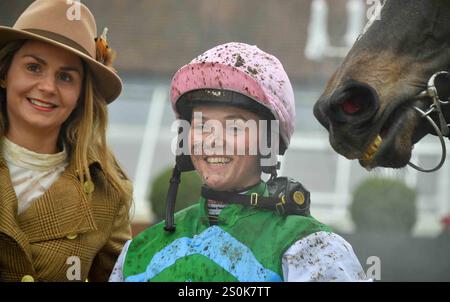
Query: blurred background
x=154 y=38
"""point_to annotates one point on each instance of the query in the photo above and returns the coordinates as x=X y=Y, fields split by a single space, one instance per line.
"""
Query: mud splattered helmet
x=234 y=74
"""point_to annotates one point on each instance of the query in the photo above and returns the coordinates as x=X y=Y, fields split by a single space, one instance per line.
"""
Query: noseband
x=436 y=106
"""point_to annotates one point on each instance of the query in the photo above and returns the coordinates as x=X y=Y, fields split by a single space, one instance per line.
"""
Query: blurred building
x=159 y=36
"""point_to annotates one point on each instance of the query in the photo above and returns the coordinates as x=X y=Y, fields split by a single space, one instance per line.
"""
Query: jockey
x=242 y=228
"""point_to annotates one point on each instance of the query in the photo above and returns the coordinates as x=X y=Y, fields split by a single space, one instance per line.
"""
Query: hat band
x=60 y=39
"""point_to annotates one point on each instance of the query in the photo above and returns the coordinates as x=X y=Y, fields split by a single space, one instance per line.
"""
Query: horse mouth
x=392 y=145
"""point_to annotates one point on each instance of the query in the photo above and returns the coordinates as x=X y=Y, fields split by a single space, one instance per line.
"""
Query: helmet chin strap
x=286 y=197
x=171 y=199
x=432 y=93
x=173 y=191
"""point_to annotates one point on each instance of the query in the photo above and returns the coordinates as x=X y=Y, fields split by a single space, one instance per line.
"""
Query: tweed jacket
x=65 y=235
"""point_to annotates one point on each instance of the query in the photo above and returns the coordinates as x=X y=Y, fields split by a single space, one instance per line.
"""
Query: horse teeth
x=373 y=148
x=378 y=140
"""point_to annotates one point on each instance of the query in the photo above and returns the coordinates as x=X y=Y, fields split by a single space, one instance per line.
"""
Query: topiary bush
x=384 y=205
x=188 y=192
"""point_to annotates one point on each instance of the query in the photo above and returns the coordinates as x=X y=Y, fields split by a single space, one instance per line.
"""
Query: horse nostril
x=352 y=106
x=353 y=103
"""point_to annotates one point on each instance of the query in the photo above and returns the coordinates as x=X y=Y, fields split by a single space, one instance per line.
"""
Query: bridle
x=436 y=106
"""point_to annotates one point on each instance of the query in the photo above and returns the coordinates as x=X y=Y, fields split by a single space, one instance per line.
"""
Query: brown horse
x=384 y=98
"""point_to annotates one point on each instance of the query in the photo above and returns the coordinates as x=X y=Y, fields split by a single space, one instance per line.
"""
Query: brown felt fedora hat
x=50 y=21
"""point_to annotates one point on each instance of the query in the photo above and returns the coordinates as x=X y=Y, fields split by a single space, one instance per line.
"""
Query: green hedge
x=188 y=192
x=383 y=204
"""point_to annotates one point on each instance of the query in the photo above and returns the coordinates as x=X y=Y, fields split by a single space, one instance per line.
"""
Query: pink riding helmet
x=245 y=69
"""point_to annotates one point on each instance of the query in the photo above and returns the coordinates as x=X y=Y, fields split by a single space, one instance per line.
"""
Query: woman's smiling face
x=43 y=86
x=228 y=157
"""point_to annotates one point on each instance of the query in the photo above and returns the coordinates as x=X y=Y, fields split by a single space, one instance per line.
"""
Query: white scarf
x=31 y=173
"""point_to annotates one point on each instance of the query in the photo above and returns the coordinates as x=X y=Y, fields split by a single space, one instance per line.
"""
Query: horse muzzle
x=348 y=115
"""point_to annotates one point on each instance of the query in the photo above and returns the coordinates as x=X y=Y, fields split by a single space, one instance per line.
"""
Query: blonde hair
x=83 y=133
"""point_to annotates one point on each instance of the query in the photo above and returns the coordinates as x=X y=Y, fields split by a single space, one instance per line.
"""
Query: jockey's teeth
x=373 y=148
x=218 y=160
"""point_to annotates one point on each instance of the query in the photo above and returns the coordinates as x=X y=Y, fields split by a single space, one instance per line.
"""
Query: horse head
x=368 y=105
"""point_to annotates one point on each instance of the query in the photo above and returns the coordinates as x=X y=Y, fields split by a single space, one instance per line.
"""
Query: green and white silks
x=246 y=245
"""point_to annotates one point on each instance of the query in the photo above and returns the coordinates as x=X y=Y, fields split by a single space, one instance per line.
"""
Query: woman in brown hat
x=64 y=201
